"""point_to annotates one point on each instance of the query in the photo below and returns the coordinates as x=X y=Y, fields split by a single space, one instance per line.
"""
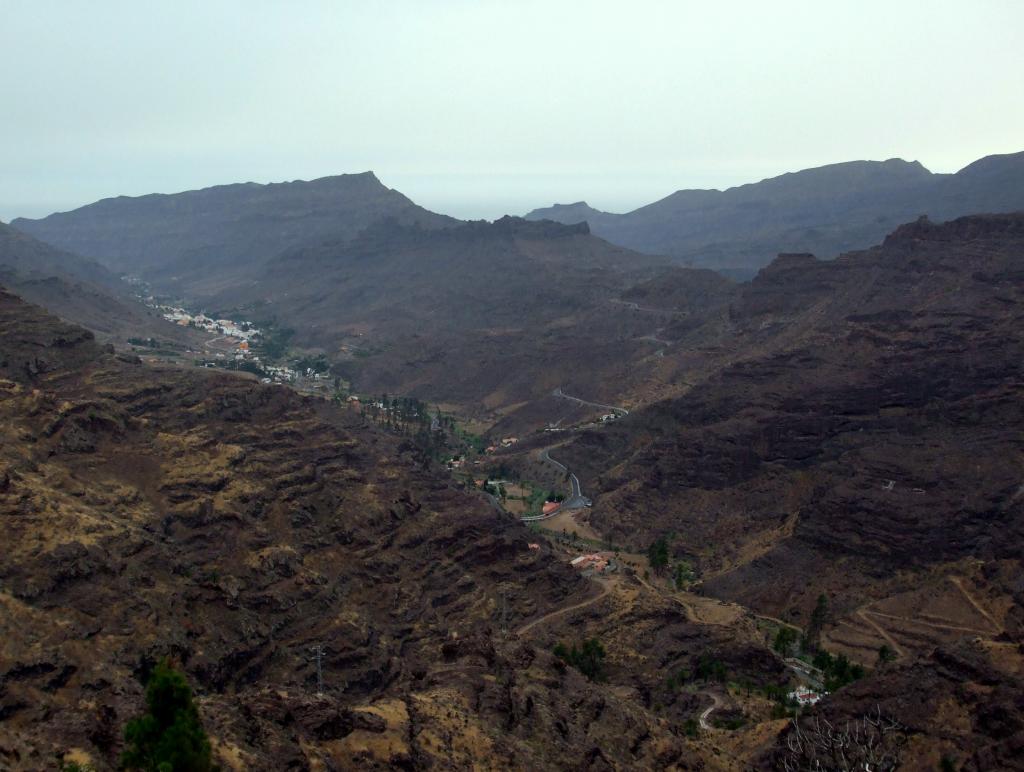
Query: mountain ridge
x=826 y=210
x=223 y=232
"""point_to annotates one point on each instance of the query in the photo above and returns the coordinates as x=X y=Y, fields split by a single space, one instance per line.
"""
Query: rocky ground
x=867 y=424
x=232 y=527
x=853 y=429
x=849 y=428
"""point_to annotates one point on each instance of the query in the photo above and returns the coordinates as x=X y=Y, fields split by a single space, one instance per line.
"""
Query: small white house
x=806 y=696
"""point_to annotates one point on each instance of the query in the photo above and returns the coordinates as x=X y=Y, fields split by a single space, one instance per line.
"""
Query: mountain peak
x=542 y=228
x=992 y=165
x=568 y=214
x=226 y=229
x=961 y=229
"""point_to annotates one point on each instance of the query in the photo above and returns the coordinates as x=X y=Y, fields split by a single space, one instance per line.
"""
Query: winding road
x=715 y=703
x=620 y=411
x=977 y=606
x=568 y=609
x=576 y=498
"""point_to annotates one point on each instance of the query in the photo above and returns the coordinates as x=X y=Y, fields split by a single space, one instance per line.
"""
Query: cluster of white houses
x=232 y=329
x=280 y=374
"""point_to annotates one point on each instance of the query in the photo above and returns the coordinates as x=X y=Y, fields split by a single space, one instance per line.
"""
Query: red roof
x=549 y=507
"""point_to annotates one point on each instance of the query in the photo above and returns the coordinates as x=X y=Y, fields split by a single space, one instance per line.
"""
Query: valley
x=651 y=518
x=330 y=441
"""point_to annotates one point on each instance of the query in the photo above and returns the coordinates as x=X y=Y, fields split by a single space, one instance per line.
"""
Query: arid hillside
x=232 y=527
x=861 y=430
x=846 y=428
x=486 y=315
x=79 y=290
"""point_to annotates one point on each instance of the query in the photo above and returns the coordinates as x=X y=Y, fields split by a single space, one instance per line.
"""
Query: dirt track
x=568 y=609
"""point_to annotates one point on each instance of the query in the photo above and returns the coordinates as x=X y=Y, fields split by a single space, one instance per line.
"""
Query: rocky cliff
x=149 y=513
x=861 y=419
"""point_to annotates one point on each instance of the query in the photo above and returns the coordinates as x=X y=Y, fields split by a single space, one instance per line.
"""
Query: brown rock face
x=962 y=703
x=866 y=421
x=231 y=527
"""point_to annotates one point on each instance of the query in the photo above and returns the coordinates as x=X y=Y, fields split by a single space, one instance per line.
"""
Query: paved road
x=617 y=410
x=637 y=307
x=809 y=673
x=576 y=498
x=715 y=703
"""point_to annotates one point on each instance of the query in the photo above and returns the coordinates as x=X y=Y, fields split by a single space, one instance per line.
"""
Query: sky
x=483 y=108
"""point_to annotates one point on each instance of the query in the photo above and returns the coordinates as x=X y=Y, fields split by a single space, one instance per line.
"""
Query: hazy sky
x=481 y=108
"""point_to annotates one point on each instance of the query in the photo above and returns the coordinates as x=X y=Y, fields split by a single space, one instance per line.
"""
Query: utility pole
x=504 y=613
x=318 y=653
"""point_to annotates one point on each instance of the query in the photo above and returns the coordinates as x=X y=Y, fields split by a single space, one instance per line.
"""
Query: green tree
x=169 y=736
x=784 y=640
x=657 y=555
x=838 y=670
x=684 y=574
x=818 y=618
x=710 y=668
x=588 y=658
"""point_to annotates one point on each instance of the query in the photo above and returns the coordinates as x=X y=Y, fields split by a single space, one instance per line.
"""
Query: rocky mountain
x=208 y=239
x=30 y=258
x=856 y=432
x=481 y=313
x=826 y=211
x=230 y=526
x=846 y=428
x=78 y=289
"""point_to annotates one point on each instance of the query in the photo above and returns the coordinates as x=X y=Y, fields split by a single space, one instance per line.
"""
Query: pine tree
x=818 y=618
x=169 y=737
x=657 y=555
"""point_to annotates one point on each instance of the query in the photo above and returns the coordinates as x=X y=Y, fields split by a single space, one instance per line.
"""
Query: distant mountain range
x=877 y=365
x=218 y=235
x=30 y=258
x=826 y=211
x=844 y=429
x=203 y=241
